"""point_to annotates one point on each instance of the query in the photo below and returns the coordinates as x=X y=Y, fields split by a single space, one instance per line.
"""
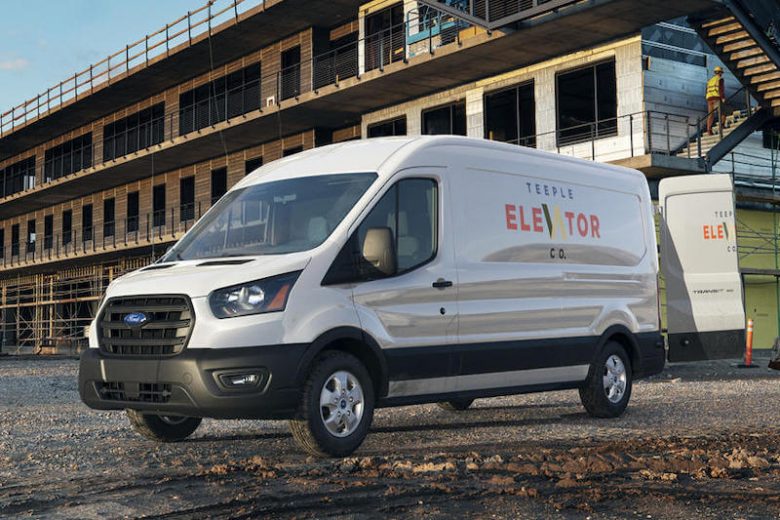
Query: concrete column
x=544 y=94
x=361 y=43
x=414 y=121
x=475 y=113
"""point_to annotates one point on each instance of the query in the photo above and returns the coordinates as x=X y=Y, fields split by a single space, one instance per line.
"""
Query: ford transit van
x=399 y=271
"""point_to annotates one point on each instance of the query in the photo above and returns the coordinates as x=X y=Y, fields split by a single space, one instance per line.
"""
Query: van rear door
x=704 y=301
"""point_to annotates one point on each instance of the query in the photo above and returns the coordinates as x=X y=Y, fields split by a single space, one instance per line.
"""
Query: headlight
x=267 y=295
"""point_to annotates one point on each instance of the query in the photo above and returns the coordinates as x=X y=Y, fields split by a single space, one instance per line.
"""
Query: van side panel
x=548 y=250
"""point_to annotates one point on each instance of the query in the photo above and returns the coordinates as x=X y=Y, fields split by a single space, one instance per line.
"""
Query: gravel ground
x=698 y=441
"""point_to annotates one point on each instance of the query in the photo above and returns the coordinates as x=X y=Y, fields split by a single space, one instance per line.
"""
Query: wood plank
x=752 y=71
x=720 y=21
x=725 y=29
x=746 y=53
x=764 y=78
x=745 y=44
x=757 y=60
x=769 y=85
x=733 y=37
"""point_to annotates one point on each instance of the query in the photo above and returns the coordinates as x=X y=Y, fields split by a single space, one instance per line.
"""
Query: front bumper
x=189 y=383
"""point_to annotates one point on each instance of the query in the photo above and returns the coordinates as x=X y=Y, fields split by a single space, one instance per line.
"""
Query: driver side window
x=398 y=235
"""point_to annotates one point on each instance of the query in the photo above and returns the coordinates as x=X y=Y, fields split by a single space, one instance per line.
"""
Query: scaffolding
x=43 y=313
x=759 y=243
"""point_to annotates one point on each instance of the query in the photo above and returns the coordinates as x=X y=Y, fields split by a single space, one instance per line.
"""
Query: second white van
x=394 y=272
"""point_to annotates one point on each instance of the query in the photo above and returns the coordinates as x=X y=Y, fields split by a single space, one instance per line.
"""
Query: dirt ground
x=698 y=441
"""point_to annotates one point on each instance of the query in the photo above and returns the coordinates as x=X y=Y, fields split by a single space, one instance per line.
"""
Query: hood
x=197 y=278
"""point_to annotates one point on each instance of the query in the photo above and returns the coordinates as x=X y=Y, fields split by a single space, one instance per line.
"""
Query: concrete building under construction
x=105 y=170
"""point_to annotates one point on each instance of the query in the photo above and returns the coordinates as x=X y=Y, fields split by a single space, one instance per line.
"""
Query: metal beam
x=487 y=20
x=742 y=14
x=736 y=136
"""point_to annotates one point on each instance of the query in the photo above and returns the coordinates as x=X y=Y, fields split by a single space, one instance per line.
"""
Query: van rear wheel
x=336 y=408
x=607 y=390
x=457 y=405
x=163 y=428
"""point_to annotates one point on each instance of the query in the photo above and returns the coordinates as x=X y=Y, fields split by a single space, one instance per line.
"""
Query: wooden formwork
x=51 y=312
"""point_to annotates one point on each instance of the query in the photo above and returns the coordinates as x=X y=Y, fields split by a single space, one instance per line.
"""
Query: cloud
x=14 y=64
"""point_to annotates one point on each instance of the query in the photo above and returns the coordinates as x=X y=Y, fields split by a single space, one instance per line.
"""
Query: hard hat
x=718 y=70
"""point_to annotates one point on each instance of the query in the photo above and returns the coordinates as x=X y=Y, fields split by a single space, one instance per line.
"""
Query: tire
x=457 y=405
x=162 y=428
x=603 y=397
x=323 y=399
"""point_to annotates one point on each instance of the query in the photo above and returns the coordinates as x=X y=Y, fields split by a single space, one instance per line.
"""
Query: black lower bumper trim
x=652 y=354
x=699 y=346
x=189 y=383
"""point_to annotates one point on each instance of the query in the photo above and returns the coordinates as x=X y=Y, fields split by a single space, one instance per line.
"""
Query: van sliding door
x=705 y=310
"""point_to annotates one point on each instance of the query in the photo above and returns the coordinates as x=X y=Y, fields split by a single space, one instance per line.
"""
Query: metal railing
x=639 y=133
x=739 y=100
x=428 y=29
x=493 y=14
x=63 y=164
x=130 y=59
x=154 y=227
x=134 y=138
x=336 y=64
x=273 y=89
x=744 y=167
x=381 y=48
x=385 y=47
x=629 y=135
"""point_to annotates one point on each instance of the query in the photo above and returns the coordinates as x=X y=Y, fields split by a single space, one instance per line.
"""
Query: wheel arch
x=353 y=341
x=622 y=335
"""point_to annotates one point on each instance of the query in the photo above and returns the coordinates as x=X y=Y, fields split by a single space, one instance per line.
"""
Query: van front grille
x=134 y=392
x=161 y=325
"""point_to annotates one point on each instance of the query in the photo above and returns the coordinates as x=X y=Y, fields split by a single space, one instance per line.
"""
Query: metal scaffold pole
x=773 y=151
x=54 y=310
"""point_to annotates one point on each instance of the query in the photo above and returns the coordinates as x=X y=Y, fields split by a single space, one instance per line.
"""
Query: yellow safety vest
x=713 y=87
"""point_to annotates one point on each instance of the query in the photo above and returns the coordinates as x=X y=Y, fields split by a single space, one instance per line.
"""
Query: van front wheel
x=163 y=428
x=336 y=408
x=608 y=388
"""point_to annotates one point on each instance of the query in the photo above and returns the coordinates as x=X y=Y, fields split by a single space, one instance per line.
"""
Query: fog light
x=240 y=380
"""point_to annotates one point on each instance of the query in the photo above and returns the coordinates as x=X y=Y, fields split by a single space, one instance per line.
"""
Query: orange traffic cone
x=748 y=346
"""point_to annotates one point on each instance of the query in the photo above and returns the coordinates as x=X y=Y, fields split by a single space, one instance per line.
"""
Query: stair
x=708 y=142
x=736 y=45
x=737 y=34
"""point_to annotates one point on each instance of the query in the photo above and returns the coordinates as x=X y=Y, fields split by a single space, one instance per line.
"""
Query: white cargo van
x=400 y=271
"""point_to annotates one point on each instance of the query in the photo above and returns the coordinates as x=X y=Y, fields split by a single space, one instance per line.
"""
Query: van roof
x=366 y=155
x=369 y=155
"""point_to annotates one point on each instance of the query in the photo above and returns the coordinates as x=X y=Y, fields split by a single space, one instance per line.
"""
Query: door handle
x=441 y=283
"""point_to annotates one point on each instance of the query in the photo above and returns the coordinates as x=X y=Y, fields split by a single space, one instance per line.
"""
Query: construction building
x=104 y=171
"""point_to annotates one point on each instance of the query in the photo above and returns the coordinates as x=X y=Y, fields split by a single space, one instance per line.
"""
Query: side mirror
x=378 y=250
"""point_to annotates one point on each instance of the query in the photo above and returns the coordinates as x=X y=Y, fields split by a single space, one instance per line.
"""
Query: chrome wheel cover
x=341 y=403
x=615 y=379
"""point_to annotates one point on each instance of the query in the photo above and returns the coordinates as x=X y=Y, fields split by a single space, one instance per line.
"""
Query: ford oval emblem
x=136 y=319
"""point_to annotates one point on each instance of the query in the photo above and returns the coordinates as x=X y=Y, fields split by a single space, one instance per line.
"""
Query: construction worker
x=716 y=95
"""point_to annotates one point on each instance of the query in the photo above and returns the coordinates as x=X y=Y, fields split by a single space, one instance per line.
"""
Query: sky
x=42 y=42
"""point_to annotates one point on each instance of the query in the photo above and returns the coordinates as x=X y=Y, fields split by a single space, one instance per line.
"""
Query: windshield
x=273 y=218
